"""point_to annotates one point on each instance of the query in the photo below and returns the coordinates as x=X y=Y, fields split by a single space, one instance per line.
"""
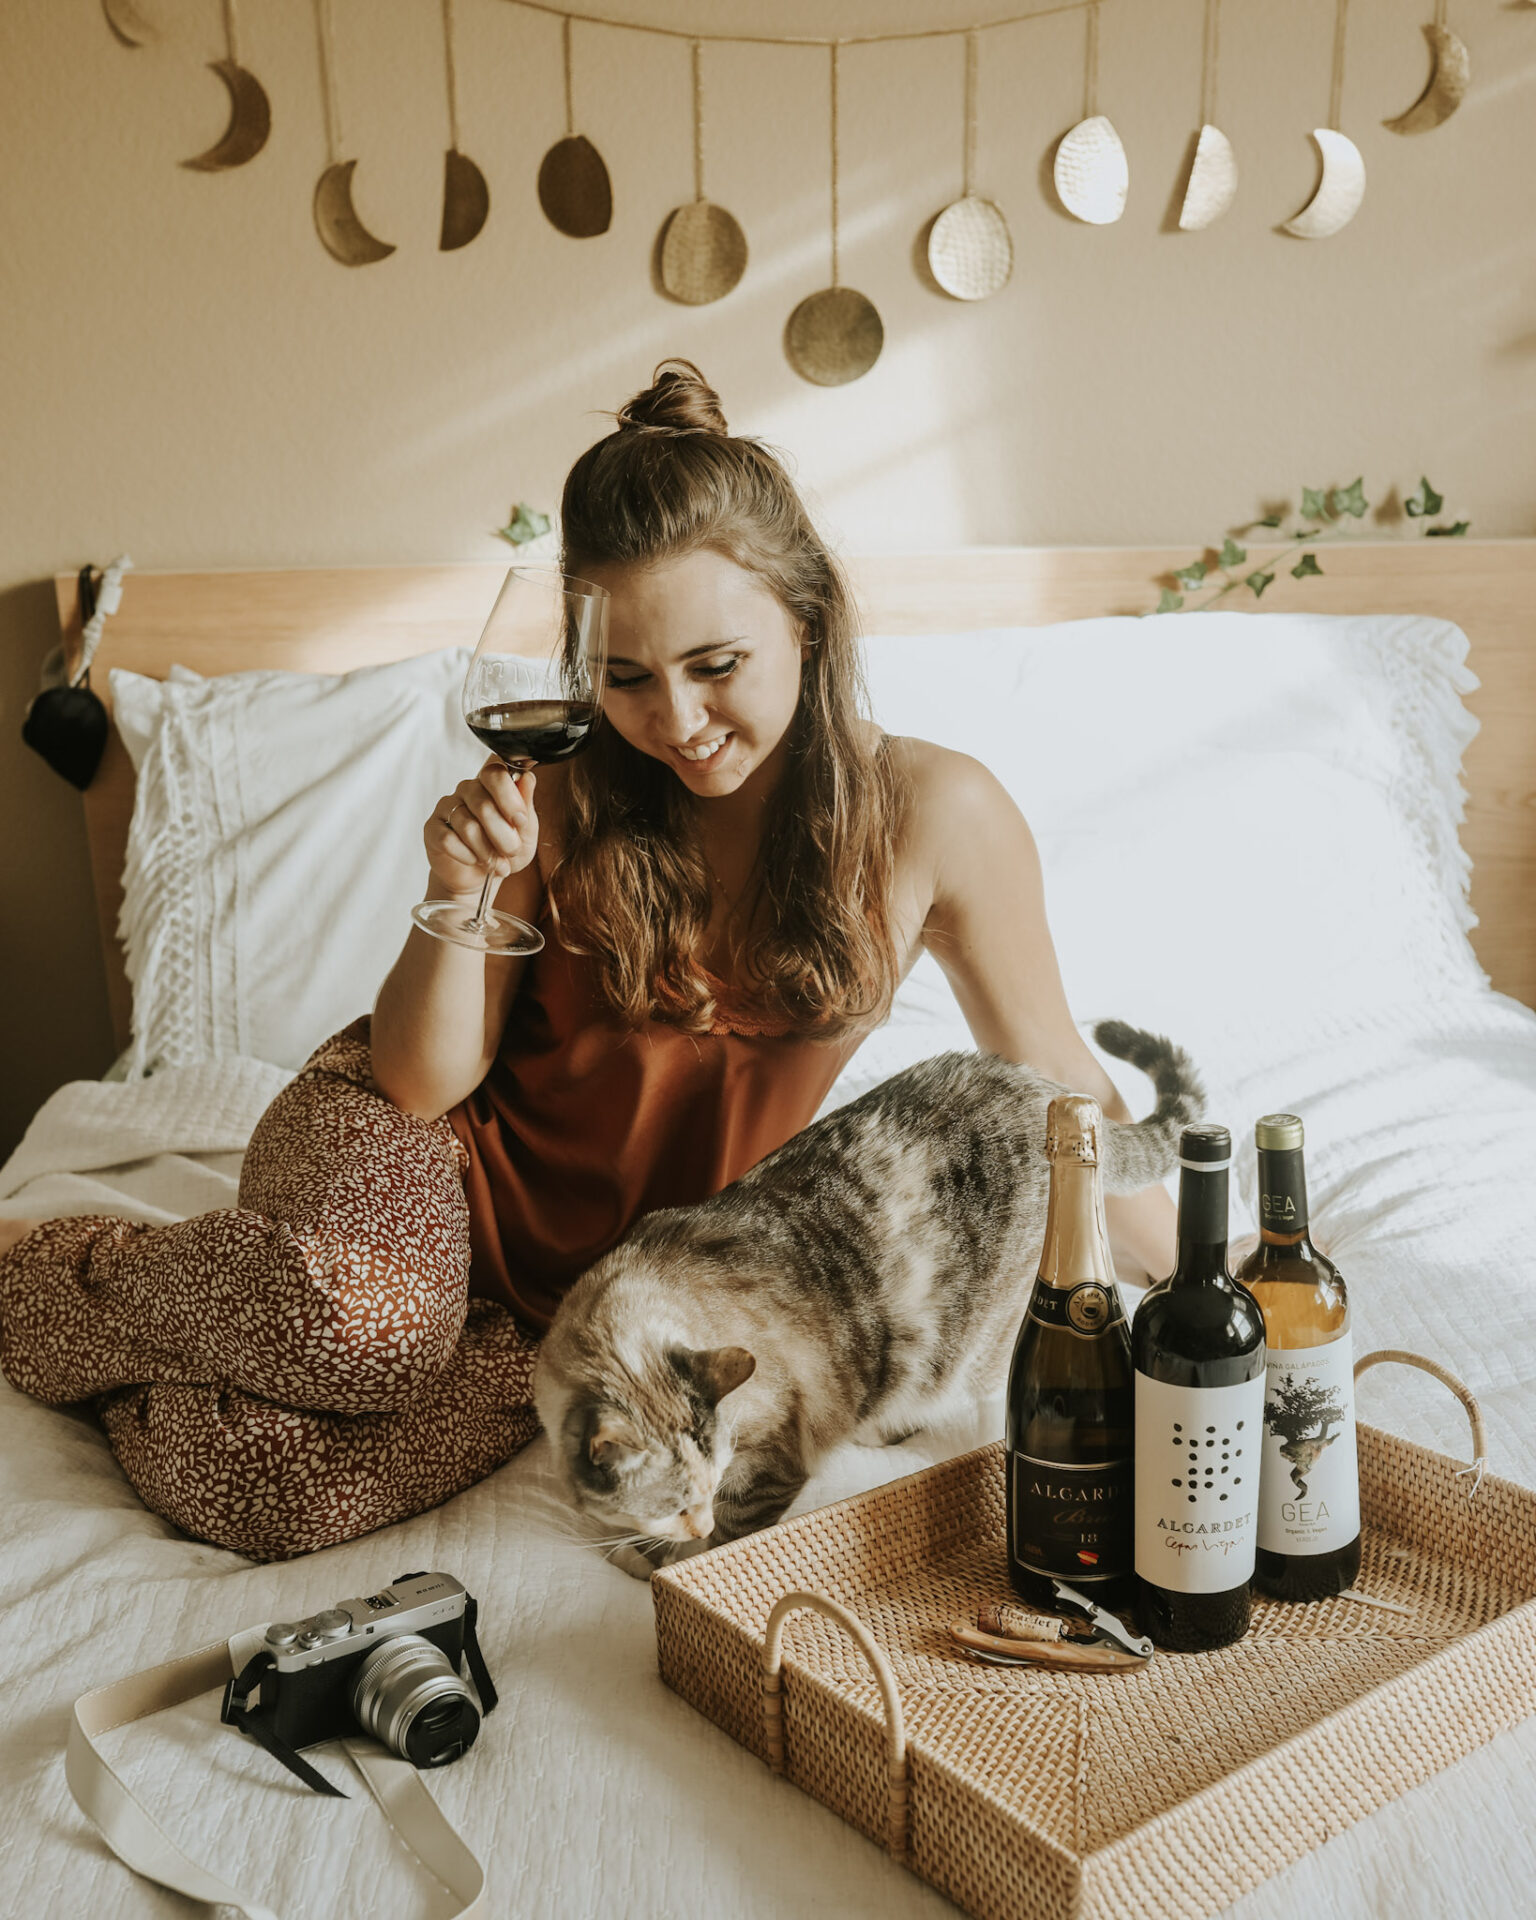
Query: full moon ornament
x=341 y=233
x=836 y=335
x=1341 y=185
x=250 y=112
x=466 y=197
x=1450 y=74
x=703 y=249
x=1212 y=184
x=970 y=250
x=574 y=189
x=1091 y=173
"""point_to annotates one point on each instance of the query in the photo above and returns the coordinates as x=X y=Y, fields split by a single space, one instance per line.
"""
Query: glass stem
x=477 y=925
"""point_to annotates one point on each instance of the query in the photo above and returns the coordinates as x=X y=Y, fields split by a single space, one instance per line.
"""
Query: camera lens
x=408 y=1696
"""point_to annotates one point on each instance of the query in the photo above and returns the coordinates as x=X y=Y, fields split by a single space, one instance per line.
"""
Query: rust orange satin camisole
x=583 y=1124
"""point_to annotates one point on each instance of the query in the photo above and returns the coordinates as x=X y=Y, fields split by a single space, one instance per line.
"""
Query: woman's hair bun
x=678 y=400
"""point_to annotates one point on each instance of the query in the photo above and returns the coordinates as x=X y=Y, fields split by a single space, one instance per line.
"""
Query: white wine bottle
x=1309 y=1487
x=1198 y=1345
x=1070 y=1398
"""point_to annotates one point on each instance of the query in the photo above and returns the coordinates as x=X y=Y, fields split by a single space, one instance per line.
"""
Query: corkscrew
x=1090 y=1639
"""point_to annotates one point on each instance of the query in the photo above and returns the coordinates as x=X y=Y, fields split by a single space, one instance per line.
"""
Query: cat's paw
x=633 y=1562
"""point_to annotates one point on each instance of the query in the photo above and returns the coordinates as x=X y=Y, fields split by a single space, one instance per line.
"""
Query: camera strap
x=145 y=1846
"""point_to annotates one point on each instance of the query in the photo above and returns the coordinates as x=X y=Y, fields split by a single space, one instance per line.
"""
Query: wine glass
x=533 y=694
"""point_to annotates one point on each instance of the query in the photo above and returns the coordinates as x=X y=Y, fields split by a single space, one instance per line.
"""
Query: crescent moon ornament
x=466 y=197
x=250 y=121
x=1339 y=191
x=1450 y=75
x=130 y=26
x=1091 y=172
x=1212 y=181
x=343 y=234
x=970 y=250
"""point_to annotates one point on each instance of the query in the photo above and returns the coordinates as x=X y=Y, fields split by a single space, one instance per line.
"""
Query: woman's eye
x=718 y=670
x=615 y=681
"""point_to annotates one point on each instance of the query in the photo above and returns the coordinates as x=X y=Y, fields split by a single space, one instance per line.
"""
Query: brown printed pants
x=300 y=1369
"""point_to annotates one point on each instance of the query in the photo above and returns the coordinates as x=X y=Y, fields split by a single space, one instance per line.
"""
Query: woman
x=732 y=882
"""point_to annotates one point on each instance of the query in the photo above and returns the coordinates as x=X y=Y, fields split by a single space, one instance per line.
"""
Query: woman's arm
x=985 y=925
x=439 y=1016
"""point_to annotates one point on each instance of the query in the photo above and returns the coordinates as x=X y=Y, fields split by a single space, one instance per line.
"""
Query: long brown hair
x=632 y=887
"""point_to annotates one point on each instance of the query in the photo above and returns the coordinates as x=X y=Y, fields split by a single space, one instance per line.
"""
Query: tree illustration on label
x=1306 y=1417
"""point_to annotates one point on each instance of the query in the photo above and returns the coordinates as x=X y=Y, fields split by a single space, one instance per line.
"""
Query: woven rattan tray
x=1160 y=1793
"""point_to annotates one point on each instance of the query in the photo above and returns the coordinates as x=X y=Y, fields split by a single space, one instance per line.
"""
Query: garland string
x=698 y=122
x=1336 y=87
x=1091 y=63
x=834 y=51
x=328 y=80
x=453 y=86
x=970 y=110
x=805 y=39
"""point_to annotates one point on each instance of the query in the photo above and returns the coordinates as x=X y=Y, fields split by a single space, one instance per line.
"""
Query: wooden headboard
x=324 y=620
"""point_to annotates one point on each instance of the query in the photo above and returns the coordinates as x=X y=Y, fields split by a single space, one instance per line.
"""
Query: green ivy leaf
x=1351 y=500
x=1447 y=533
x=526 y=523
x=1423 y=502
x=1192 y=575
x=1314 y=503
x=1231 y=555
x=1258 y=582
x=1310 y=533
x=1269 y=520
x=1306 y=565
x=1170 y=602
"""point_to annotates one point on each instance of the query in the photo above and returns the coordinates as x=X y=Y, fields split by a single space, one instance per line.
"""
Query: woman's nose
x=684 y=713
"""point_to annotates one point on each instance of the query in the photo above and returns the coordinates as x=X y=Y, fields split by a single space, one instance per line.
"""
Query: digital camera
x=386 y=1665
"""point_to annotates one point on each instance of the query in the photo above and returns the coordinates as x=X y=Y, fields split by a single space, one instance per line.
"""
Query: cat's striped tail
x=1141 y=1151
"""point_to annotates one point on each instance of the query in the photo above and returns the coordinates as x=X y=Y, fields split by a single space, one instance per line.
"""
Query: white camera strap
x=137 y=1839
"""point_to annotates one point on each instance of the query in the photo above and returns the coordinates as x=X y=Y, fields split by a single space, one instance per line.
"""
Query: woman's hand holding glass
x=486 y=825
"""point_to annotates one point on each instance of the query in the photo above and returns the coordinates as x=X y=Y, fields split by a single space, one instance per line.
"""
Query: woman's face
x=703 y=670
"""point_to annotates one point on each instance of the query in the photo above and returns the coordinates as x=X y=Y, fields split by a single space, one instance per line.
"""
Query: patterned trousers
x=305 y=1367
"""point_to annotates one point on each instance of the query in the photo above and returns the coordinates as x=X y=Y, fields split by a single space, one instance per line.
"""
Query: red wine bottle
x=1070 y=1400
x=534 y=732
x=1309 y=1490
x=1197 y=1343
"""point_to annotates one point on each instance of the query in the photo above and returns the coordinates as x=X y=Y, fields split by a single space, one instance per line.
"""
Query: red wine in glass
x=534 y=733
x=532 y=695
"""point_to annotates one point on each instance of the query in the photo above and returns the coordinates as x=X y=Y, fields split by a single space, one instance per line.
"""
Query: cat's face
x=648 y=1459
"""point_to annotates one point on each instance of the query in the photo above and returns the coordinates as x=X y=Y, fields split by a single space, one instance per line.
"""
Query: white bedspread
x=593 y=1791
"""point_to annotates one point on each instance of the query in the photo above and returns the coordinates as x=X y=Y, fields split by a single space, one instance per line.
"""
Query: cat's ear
x=612 y=1438
x=717 y=1371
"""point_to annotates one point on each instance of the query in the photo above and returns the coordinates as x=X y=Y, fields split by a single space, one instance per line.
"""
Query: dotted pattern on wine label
x=1208 y=1473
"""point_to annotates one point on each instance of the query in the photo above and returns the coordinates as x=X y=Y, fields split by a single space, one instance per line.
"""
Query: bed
x=1310 y=939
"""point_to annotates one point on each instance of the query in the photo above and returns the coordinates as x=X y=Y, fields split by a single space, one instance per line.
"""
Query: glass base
x=496 y=932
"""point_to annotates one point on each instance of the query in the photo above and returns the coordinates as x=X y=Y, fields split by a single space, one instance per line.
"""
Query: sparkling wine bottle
x=1198 y=1345
x=1070 y=1398
x=1309 y=1485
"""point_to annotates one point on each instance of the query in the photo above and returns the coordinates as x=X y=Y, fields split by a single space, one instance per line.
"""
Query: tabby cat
x=860 y=1283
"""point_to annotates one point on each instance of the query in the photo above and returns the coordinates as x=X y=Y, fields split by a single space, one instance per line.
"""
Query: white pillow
x=275 y=849
x=1247 y=822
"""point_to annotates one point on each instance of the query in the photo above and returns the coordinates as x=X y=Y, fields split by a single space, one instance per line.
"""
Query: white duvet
x=593 y=1791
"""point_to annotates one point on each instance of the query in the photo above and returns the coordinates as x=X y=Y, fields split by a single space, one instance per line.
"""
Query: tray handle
x=1463 y=1393
x=895 y=1728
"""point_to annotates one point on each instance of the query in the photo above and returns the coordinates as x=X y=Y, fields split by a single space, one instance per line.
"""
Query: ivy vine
x=1325 y=512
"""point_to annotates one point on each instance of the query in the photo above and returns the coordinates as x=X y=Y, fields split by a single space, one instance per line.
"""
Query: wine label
x=1087 y=1308
x=1309 y=1489
x=1197 y=1483
x=1072 y=1523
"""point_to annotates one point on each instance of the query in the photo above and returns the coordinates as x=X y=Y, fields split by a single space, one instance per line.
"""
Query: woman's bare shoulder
x=945 y=789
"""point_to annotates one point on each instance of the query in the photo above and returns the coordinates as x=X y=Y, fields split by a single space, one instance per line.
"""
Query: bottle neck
x=1076 y=1246
x=1202 y=1226
x=1282 y=1196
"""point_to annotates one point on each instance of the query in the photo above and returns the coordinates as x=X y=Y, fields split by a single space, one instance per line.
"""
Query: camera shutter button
x=281 y=1634
x=333 y=1624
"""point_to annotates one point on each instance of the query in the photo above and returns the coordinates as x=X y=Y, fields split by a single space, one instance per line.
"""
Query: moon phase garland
x=835 y=335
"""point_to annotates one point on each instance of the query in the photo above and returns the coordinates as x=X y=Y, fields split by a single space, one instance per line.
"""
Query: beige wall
x=188 y=376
